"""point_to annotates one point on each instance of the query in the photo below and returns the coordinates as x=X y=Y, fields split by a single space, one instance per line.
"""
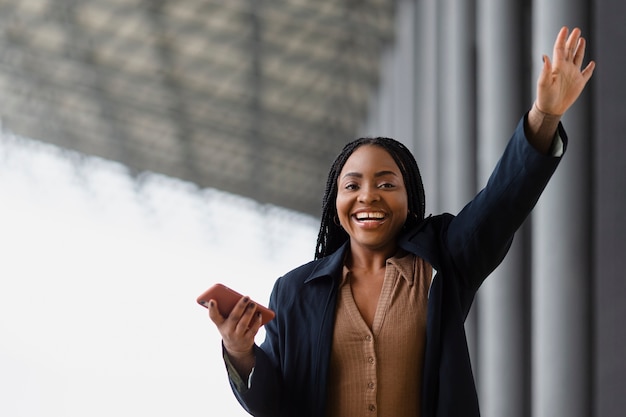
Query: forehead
x=370 y=158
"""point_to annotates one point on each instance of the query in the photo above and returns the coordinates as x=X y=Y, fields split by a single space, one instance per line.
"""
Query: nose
x=369 y=194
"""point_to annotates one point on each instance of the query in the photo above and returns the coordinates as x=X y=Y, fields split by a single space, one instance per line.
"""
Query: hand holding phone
x=227 y=299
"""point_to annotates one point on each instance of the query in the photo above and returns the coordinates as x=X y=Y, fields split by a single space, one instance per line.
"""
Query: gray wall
x=547 y=331
x=609 y=208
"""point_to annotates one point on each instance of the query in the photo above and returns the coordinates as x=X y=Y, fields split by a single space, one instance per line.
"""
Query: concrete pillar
x=456 y=116
x=425 y=145
x=609 y=226
x=503 y=327
x=392 y=107
x=561 y=344
x=457 y=107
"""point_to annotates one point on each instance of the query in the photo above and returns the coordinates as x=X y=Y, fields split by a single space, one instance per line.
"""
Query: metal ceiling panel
x=253 y=97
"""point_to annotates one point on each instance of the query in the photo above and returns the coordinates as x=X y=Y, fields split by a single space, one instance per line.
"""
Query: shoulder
x=322 y=270
x=430 y=228
x=428 y=238
x=300 y=274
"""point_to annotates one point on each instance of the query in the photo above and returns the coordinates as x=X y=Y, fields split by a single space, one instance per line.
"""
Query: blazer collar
x=330 y=266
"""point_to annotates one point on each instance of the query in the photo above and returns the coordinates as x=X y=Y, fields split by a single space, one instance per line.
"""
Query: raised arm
x=559 y=85
x=480 y=235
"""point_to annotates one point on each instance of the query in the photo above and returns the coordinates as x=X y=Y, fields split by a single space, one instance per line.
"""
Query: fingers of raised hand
x=572 y=45
x=569 y=48
x=561 y=80
x=560 y=49
x=588 y=71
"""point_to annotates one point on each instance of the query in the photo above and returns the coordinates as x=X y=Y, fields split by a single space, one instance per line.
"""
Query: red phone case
x=227 y=298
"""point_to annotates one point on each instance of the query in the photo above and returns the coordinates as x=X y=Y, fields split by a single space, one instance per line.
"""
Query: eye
x=386 y=185
x=351 y=186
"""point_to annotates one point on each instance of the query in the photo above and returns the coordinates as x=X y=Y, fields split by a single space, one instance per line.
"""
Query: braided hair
x=331 y=235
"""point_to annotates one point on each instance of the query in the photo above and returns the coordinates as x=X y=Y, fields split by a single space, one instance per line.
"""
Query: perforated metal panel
x=254 y=97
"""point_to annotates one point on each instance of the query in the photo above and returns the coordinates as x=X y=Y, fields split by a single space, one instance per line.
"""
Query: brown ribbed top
x=377 y=372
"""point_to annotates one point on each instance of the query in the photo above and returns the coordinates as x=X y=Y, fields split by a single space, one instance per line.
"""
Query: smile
x=368 y=216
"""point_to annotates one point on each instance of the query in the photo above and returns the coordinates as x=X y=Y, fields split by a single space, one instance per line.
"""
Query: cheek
x=403 y=209
x=341 y=206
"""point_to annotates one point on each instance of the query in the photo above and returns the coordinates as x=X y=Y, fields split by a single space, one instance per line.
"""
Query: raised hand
x=561 y=80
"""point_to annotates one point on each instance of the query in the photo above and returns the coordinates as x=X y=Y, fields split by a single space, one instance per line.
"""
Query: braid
x=331 y=235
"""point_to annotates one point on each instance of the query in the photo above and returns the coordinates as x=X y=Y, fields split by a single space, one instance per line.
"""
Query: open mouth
x=370 y=216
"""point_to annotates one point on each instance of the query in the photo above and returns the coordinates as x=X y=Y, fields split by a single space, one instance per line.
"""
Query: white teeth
x=369 y=215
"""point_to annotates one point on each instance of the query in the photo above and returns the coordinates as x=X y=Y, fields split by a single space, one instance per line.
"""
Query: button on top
x=368 y=338
x=370 y=360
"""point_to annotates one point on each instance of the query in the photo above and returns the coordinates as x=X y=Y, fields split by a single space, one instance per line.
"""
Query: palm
x=561 y=82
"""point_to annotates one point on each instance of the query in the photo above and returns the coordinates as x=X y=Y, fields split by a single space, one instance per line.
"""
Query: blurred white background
x=99 y=271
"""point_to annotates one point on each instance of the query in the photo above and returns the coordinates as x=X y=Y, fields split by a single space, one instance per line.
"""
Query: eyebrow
x=376 y=175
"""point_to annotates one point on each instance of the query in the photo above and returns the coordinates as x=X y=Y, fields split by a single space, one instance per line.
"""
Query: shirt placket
x=371 y=381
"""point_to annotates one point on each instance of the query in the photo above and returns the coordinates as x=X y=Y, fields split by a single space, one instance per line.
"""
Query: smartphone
x=227 y=298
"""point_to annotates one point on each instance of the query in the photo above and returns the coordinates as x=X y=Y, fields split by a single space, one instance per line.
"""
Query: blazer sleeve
x=481 y=234
x=260 y=394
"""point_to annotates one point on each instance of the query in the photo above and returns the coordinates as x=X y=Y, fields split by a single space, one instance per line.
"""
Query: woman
x=374 y=325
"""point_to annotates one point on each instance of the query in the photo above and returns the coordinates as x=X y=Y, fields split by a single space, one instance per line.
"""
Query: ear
x=336 y=221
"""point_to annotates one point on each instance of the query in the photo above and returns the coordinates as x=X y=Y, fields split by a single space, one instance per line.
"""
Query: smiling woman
x=100 y=272
x=399 y=166
x=372 y=202
x=375 y=324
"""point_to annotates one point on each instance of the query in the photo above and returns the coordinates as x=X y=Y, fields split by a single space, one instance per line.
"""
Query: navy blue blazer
x=291 y=370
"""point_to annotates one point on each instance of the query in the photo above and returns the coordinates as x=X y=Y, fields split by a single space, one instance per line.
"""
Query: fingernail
x=251 y=306
x=246 y=299
x=211 y=303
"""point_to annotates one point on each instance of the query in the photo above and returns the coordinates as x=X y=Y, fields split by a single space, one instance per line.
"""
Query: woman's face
x=372 y=202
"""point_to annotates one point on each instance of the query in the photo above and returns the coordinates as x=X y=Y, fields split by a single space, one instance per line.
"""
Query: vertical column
x=403 y=110
x=456 y=112
x=392 y=108
x=561 y=249
x=456 y=116
x=609 y=225
x=503 y=356
x=426 y=99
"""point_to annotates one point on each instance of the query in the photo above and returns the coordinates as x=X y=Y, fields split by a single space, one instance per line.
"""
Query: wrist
x=242 y=361
x=541 y=128
x=239 y=355
x=536 y=108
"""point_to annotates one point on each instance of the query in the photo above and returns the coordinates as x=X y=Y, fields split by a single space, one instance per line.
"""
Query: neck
x=368 y=260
